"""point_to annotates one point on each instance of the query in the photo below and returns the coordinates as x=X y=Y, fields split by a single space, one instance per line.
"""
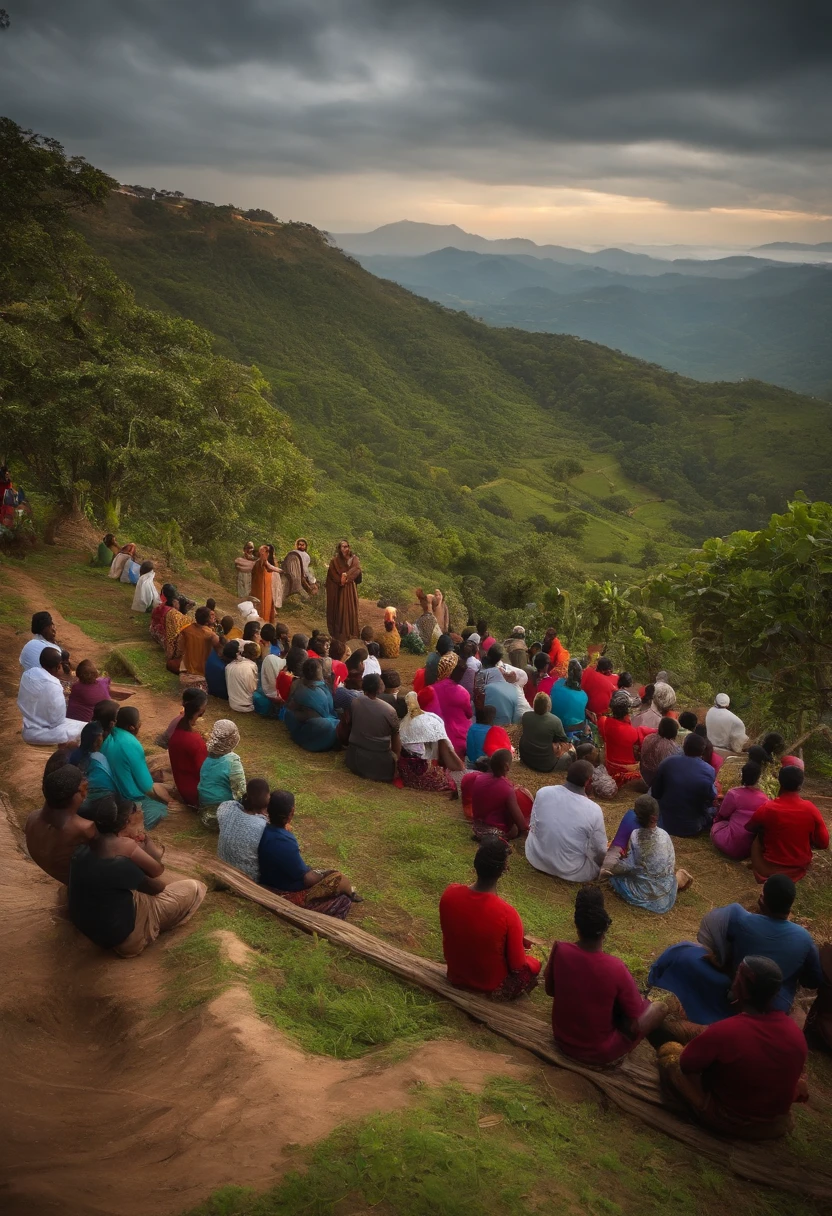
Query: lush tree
x=102 y=399
x=761 y=604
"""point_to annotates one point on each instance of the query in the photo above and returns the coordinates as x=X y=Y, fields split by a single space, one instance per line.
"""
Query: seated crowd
x=474 y=708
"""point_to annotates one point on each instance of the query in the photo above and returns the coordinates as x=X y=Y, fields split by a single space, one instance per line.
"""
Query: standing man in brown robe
x=342 y=593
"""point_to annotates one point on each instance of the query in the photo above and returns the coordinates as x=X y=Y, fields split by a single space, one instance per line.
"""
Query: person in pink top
x=454 y=706
x=739 y=804
x=87 y=691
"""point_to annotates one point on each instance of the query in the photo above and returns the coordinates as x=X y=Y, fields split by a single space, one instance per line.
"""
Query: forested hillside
x=413 y=409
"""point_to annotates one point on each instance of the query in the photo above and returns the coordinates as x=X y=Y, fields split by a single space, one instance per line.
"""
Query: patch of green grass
x=329 y=1002
x=141 y=661
x=542 y=1155
x=13 y=610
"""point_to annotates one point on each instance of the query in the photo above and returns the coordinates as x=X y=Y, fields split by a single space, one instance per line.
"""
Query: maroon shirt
x=83 y=698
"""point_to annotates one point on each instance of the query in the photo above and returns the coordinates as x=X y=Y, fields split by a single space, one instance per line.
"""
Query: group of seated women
x=738 y=1070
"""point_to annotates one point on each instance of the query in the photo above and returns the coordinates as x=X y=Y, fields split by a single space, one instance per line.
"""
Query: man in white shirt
x=42 y=703
x=242 y=678
x=725 y=730
x=43 y=627
x=567 y=836
x=270 y=669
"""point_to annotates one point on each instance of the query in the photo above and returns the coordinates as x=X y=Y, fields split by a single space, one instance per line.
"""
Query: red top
x=751 y=1063
x=546 y=684
x=339 y=670
x=496 y=740
x=187 y=750
x=83 y=698
x=590 y=990
x=482 y=938
x=792 y=826
x=620 y=738
x=489 y=795
x=599 y=689
x=285 y=679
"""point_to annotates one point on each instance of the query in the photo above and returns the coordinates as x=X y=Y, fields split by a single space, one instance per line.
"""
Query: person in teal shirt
x=569 y=700
x=222 y=777
x=128 y=767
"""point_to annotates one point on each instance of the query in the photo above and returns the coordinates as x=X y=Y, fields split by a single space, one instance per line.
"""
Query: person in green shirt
x=106 y=551
x=222 y=777
x=543 y=740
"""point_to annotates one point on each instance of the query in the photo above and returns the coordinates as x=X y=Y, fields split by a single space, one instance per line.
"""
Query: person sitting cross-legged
x=786 y=830
x=567 y=836
x=118 y=897
x=741 y=1076
x=493 y=799
x=54 y=832
x=482 y=935
x=685 y=790
x=646 y=875
x=700 y=973
x=598 y=1013
x=42 y=703
x=187 y=748
x=241 y=824
x=283 y=870
x=739 y=804
x=128 y=767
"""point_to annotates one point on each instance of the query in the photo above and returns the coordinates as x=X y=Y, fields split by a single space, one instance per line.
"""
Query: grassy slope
x=355 y=360
x=402 y=849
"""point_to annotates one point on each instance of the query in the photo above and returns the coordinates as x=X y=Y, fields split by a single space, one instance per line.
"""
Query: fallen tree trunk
x=633 y=1086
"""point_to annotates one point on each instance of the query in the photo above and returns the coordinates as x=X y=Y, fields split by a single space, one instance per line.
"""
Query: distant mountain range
x=822 y=247
x=730 y=318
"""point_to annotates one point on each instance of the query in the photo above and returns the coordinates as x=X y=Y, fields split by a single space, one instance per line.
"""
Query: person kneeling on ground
x=740 y=1076
x=786 y=830
x=646 y=875
x=598 y=1013
x=482 y=935
x=283 y=870
x=54 y=832
x=117 y=895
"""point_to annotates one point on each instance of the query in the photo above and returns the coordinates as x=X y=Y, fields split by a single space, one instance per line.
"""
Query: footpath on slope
x=112 y=1107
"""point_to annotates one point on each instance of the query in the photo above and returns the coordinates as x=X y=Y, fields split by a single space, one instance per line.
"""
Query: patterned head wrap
x=414 y=709
x=664 y=698
x=574 y=674
x=223 y=738
x=619 y=700
x=446 y=664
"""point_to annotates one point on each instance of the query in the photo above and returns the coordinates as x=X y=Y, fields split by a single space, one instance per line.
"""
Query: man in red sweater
x=482 y=935
x=599 y=683
x=785 y=831
x=740 y=1076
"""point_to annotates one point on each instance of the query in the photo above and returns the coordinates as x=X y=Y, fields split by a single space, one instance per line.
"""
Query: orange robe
x=261 y=589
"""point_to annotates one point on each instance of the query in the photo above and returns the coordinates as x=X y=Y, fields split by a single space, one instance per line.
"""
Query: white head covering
x=475 y=638
x=722 y=700
x=248 y=611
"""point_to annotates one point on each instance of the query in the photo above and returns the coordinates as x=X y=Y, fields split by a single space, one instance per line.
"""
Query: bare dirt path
x=113 y=1107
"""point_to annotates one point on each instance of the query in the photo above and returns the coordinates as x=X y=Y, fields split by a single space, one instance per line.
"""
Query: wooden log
x=633 y=1085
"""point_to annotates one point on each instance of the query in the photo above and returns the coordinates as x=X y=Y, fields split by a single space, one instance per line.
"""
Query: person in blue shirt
x=215 y=666
x=128 y=767
x=283 y=870
x=700 y=973
x=685 y=790
x=569 y=700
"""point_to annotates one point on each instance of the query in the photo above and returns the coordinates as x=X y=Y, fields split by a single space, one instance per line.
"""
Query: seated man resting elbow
x=741 y=1076
x=117 y=895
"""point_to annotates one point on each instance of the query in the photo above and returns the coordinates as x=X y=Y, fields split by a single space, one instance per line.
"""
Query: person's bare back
x=52 y=836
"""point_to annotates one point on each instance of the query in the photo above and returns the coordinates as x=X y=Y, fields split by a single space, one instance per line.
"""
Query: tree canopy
x=761 y=604
x=102 y=398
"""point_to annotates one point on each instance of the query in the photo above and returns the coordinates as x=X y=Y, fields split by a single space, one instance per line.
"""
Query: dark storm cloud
x=552 y=92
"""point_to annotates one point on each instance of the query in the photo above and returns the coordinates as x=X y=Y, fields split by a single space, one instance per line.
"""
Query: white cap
x=722 y=700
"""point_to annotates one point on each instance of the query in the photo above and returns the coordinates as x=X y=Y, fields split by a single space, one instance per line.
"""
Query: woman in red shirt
x=187 y=747
x=786 y=830
x=622 y=740
x=482 y=935
x=494 y=802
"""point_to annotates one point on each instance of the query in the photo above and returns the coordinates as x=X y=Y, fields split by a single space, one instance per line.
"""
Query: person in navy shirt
x=283 y=870
x=685 y=790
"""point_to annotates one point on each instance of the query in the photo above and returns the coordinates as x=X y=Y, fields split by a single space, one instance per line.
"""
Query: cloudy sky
x=584 y=121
